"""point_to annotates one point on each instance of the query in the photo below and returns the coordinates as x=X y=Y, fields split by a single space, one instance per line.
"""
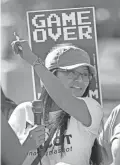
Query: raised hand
x=21 y=47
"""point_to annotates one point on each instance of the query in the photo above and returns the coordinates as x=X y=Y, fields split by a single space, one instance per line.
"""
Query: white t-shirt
x=78 y=141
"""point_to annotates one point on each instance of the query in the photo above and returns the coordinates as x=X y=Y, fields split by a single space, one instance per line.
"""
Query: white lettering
x=42 y=22
x=39 y=32
x=81 y=18
x=54 y=36
x=56 y=21
x=67 y=34
x=69 y=18
x=86 y=33
x=93 y=93
x=67 y=25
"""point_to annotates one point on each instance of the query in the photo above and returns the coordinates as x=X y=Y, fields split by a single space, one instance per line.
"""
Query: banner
x=48 y=28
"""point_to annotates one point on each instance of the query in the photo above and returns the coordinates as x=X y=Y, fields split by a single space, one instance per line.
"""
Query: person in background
x=110 y=136
x=117 y=159
x=76 y=118
x=12 y=152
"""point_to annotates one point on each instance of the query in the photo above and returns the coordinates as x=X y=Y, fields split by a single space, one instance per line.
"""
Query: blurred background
x=16 y=78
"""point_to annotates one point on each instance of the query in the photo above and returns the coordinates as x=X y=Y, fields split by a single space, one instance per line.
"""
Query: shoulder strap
x=42 y=150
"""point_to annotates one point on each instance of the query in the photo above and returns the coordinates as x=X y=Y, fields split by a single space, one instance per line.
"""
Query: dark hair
x=7 y=105
x=96 y=154
x=63 y=123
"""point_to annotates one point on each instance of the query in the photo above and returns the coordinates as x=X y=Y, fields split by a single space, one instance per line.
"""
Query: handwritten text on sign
x=64 y=25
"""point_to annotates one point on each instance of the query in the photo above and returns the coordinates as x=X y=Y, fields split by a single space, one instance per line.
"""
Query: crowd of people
x=70 y=132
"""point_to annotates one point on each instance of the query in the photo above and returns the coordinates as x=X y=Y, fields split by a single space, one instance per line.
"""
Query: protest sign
x=47 y=28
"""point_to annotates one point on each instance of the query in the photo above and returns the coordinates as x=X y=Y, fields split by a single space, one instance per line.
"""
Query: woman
x=65 y=78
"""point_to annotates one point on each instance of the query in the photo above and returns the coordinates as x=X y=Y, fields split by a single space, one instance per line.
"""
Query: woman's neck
x=54 y=107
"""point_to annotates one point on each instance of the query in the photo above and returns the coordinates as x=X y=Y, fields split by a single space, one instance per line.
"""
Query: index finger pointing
x=16 y=36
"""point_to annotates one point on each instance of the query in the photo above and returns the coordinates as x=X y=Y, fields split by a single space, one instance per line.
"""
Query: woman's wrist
x=32 y=60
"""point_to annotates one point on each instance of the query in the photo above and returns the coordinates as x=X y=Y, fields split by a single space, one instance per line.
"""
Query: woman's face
x=76 y=80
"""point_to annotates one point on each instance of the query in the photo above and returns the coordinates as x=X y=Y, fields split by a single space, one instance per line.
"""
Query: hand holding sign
x=36 y=137
x=22 y=48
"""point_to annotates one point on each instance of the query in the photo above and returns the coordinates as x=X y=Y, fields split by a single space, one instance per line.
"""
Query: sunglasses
x=73 y=74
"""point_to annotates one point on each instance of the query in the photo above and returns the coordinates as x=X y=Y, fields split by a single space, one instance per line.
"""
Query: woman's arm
x=62 y=96
x=12 y=153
